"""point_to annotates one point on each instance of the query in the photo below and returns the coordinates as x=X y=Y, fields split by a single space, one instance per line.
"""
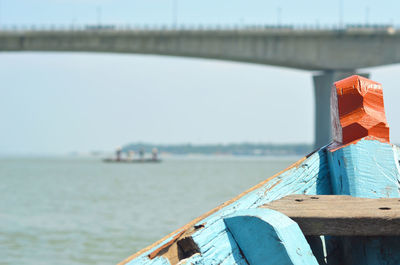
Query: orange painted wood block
x=358 y=111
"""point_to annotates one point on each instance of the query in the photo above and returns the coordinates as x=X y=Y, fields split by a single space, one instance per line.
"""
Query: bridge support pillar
x=322 y=92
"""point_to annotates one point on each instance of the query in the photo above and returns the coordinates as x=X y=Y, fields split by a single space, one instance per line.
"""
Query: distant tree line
x=229 y=149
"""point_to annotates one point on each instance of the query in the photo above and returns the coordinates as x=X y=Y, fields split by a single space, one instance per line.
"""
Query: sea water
x=71 y=210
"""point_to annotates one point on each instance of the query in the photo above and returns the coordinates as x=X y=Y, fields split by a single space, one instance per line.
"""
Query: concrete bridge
x=333 y=53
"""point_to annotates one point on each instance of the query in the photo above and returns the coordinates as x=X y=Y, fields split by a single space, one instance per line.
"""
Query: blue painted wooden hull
x=239 y=232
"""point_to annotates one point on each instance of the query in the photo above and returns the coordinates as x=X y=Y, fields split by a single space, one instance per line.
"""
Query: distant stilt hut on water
x=130 y=156
x=154 y=154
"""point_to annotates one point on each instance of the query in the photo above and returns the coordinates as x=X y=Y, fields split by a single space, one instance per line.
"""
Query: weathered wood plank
x=341 y=215
x=269 y=237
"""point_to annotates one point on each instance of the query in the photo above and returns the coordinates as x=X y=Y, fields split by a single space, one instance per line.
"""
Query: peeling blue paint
x=365 y=169
x=215 y=242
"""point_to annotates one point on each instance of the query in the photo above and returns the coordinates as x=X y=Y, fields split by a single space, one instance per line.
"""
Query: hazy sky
x=62 y=102
x=198 y=12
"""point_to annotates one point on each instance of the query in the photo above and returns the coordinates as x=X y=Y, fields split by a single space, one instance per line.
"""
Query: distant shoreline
x=241 y=149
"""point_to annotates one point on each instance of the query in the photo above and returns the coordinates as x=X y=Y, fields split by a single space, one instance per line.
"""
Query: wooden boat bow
x=355 y=178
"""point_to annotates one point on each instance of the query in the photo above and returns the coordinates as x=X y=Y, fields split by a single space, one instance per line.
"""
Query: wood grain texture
x=269 y=237
x=368 y=169
x=341 y=215
x=216 y=245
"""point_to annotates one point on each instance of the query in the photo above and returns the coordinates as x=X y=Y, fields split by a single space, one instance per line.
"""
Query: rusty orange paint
x=358 y=111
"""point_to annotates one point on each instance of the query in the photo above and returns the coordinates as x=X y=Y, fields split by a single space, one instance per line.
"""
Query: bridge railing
x=191 y=27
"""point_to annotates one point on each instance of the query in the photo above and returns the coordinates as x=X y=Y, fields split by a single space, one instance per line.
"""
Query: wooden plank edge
x=341 y=215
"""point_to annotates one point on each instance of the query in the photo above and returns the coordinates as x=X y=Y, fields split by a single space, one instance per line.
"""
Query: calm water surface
x=82 y=211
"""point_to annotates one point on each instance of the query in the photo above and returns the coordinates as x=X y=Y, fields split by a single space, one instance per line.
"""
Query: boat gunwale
x=192 y=223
